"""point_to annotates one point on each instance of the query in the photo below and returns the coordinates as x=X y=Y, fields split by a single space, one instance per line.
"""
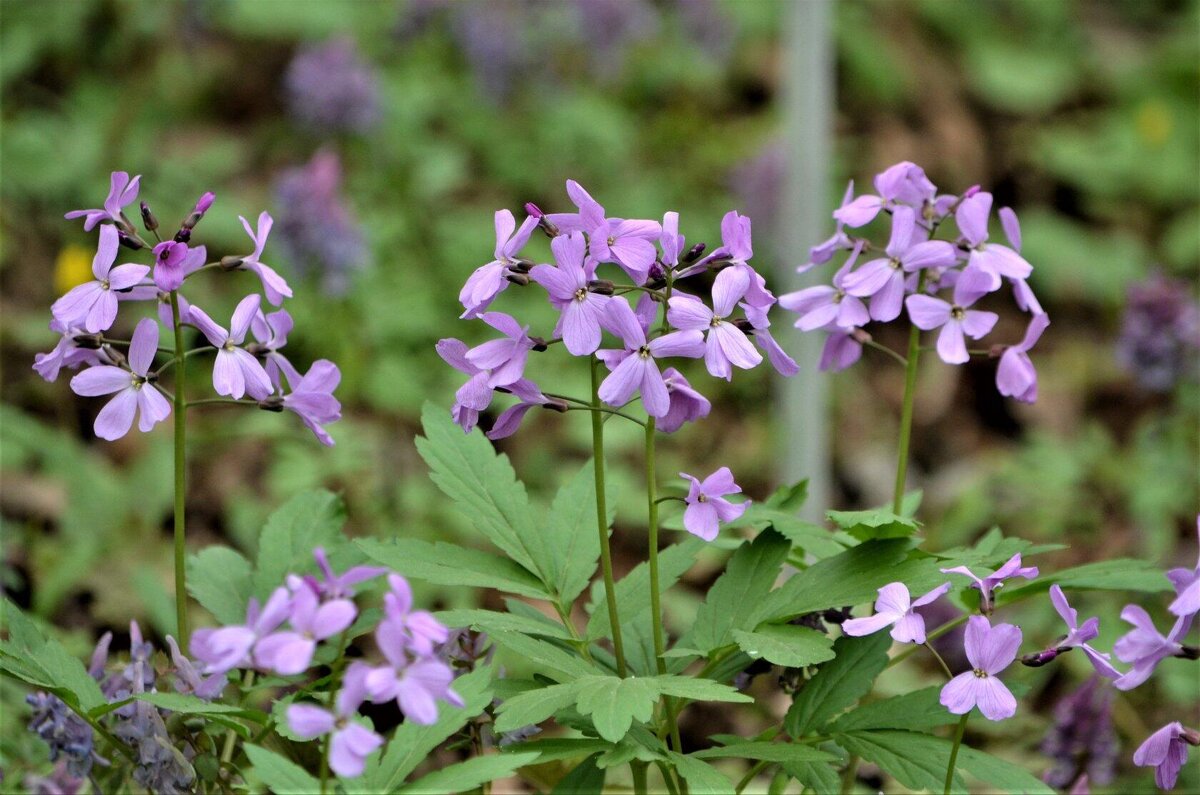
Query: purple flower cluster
x=84 y=316
x=330 y=89
x=1160 y=332
x=645 y=259
x=937 y=282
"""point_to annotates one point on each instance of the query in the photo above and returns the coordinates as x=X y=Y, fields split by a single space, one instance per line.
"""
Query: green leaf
x=1122 y=574
x=570 y=535
x=839 y=683
x=282 y=776
x=735 y=599
x=916 y=711
x=546 y=657
x=534 y=706
x=219 y=578
x=633 y=590
x=554 y=749
x=190 y=705
x=785 y=644
x=42 y=661
x=998 y=774
x=816 y=776
x=491 y=622
x=470 y=774
x=917 y=761
x=698 y=689
x=700 y=776
x=585 y=779
x=614 y=703
x=448 y=564
x=766 y=752
x=308 y=520
x=875 y=523
x=411 y=743
x=481 y=482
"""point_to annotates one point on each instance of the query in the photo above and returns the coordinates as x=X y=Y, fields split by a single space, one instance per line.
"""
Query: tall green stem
x=906 y=411
x=958 y=735
x=180 y=478
x=610 y=588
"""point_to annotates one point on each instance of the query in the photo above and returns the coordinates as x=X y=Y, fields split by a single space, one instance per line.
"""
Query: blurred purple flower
x=1082 y=739
x=290 y=652
x=1187 y=586
x=1145 y=647
x=66 y=353
x=686 y=404
x=351 y=742
x=842 y=349
x=1160 y=332
x=1016 y=376
x=987 y=261
x=225 y=648
x=990 y=650
x=331 y=89
x=188 y=679
x=339 y=586
x=902 y=184
x=416 y=630
x=610 y=27
x=64 y=731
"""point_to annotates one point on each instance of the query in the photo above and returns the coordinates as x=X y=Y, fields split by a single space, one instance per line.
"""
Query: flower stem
x=610 y=592
x=180 y=478
x=958 y=735
x=850 y=775
x=942 y=662
x=906 y=412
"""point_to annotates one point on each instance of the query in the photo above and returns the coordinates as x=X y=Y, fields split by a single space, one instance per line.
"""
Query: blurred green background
x=382 y=136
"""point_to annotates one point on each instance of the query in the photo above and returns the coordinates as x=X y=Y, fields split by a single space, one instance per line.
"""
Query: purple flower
x=351 y=742
x=289 y=653
x=236 y=371
x=883 y=279
x=225 y=648
x=174 y=262
x=686 y=404
x=93 y=305
x=272 y=331
x=823 y=252
x=329 y=88
x=707 y=506
x=121 y=193
x=489 y=280
x=990 y=650
x=1160 y=332
x=312 y=398
x=1166 y=751
x=510 y=419
x=189 y=681
x=736 y=248
x=635 y=368
x=66 y=353
x=416 y=630
x=1082 y=740
x=1016 y=376
x=505 y=358
x=986 y=586
x=1077 y=637
x=904 y=183
x=1187 y=587
x=671 y=242
x=274 y=285
x=823 y=305
x=725 y=343
x=1145 y=647
x=1021 y=289
x=134 y=394
x=583 y=313
x=895 y=609
x=842 y=349
x=955 y=321
x=339 y=586
x=416 y=683
x=628 y=243
x=987 y=262
x=757 y=317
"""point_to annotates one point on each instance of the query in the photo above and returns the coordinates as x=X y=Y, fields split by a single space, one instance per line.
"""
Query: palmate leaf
x=219 y=578
x=613 y=703
x=633 y=590
x=839 y=683
x=43 y=662
x=570 y=535
x=449 y=564
x=785 y=644
x=308 y=520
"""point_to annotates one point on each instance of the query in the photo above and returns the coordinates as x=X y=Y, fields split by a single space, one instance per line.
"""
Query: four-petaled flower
x=1145 y=647
x=896 y=609
x=290 y=652
x=1078 y=634
x=707 y=506
x=134 y=392
x=725 y=344
x=312 y=398
x=990 y=650
x=225 y=648
x=93 y=304
x=582 y=312
x=635 y=368
x=351 y=742
x=504 y=359
x=955 y=321
x=987 y=262
x=236 y=370
x=121 y=193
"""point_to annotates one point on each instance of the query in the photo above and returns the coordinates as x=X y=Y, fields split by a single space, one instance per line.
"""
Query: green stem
x=942 y=662
x=850 y=775
x=220 y=402
x=906 y=412
x=639 y=777
x=180 y=478
x=610 y=588
x=750 y=774
x=958 y=735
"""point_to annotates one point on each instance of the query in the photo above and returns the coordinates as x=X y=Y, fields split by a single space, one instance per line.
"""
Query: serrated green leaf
x=546 y=657
x=534 y=706
x=491 y=622
x=282 y=776
x=839 y=683
x=999 y=775
x=785 y=644
x=812 y=538
x=874 y=523
x=734 y=600
x=917 y=761
x=449 y=564
x=817 y=776
x=613 y=703
x=219 y=578
x=702 y=778
x=470 y=774
x=633 y=590
x=766 y=752
x=570 y=535
x=42 y=661
x=698 y=689
x=916 y=711
x=1122 y=574
x=310 y=519
x=553 y=749
x=585 y=779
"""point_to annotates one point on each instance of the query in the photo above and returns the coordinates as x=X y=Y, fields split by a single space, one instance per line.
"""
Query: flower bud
x=744 y=326
x=256 y=349
x=543 y=222
x=148 y=219
x=183 y=235
x=1038 y=659
x=197 y=213
x=521 y=266
x=131 y=242
x=1189 y=653
x=860 y=336
x=230 y=262
x=271 y=403
x=601 y=287
x=539 y=344
x=657 y=277
x=89 y=342
x=556 y=405
x=692 y=254
x=1190 y=736
x=519 y=279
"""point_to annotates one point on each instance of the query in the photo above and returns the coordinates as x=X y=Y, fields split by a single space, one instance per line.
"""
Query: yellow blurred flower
x=72 y=268
x=1154 y=122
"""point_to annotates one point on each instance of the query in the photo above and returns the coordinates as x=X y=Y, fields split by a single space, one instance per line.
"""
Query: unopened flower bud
x=230 y=262
x=148 y=219
x=257 y=349
x=1038 y=659
x=860 y=336
x=1189 y=653
x=971 y=191
x=556 y=405
x=743 y=325
x=543 y=222
x=694 y=253
x=271 y=403
x=197 y=213
x=1190 y=736
x=533 y=210
x=90 y=342
x=131 y=242
x=601 y=287
x=657 y=276
x=183 y=235
x=521 y=266
x=519 y=279
x=539 y=344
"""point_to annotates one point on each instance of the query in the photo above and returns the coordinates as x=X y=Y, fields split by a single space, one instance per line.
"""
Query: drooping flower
x=339 y=586
x=583 y=313
x=174 y=262
x=990 y=650
x=987 y=585
x=489 y=280
x=956 y=321
x=134 y=393
x=290 y=652
x=902 y=184
x=503 y=358
x=987 y=261
x=1016 y=376
x=274 y=286
x=1145 y=647
x=707 y=506
x=1167 y=752
x=686 y=404
x=842 y=349
x=225 y=648
x=236 y=372
x=416 y=630
x=894 y=608
x=635 y=368
x=93 y=304
x=510 y=419
x=271 y=331
x=121 y=193
x=330 y=89
x=66 y=353
x=312 y=398
x=726 y=345
x=1187 y=587
x=351 y=742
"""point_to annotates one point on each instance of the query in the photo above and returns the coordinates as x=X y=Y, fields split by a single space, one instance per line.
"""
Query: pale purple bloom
x=1166 y=751
x=823 y=252
x=290 y=652
x=842 y=349
x=822 y=305
x=489 y=280
x=1016 y=376
x=756 y=316
x=189 y=681
x=351 y=742
x=737 y=250
x=225 y=648
x=904 y=183
x=725 y=344
x=884 y=279
x=339 y=586
x=635 y=368
x=121 y=193
x=956 y=321
x=504 y=358
x=707 y=506
x=272 y=331
x=312 y=398
x=510 y=419
x=416 y=683
x=987 y=262
x=628 y=243
x=475 y=395
x=1078 y=634
x=236 y=371
x=686 y=404
x=1187 y=587
x=671 y=242
x=987 y=585
x=66 y=353
x=583 y=313
x=174 y=262
x=204 y=203
x=990 y=650
x=274 y=285
x=1145 y=647
x=416 y=630
x=896 y=609
x=134 y=394
x=93 y=305
x=1081 y=739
